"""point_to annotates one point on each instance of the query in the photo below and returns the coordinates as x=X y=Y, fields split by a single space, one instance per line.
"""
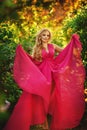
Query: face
x=45 y=36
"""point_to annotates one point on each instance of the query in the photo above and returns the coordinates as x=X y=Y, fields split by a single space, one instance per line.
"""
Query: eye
x=44 y=34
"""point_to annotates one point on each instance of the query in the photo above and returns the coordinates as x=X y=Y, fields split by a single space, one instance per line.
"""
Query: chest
x=48 y=52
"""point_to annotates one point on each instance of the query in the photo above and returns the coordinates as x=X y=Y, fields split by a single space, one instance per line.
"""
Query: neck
x=45 y=44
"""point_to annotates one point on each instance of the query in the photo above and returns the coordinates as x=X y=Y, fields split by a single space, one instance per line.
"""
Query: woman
x=51 y=85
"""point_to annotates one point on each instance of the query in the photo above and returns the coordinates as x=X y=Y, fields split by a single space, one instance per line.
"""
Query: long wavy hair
x=36 y=53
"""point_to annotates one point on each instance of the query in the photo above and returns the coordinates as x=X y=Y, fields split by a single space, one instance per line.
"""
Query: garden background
x=20 y=20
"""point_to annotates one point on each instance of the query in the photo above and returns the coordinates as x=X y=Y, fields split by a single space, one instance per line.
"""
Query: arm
x=57 y=48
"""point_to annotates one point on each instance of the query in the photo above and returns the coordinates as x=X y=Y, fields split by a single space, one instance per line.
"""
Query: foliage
x=3 y=119
x=11 y=36
x=39 y=11
x=78 y=24
x=7 y=51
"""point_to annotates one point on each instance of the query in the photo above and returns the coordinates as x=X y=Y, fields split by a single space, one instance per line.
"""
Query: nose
x=46 y=36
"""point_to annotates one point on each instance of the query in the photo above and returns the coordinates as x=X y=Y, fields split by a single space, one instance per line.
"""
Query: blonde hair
x=39 y=46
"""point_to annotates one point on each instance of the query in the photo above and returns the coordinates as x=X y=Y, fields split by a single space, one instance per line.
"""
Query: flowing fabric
x=54 y=86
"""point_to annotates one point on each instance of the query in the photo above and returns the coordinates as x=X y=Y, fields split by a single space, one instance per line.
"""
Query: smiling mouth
x=45 y=39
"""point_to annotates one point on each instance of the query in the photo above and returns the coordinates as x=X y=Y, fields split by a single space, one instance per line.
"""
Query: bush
x=10 y=37
x=78 y=24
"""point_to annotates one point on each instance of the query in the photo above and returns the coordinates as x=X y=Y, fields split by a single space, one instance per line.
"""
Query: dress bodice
x=50 y=53
x=47 y=65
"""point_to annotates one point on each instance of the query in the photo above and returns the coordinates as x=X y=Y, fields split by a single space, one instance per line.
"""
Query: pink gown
x=54 y=86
